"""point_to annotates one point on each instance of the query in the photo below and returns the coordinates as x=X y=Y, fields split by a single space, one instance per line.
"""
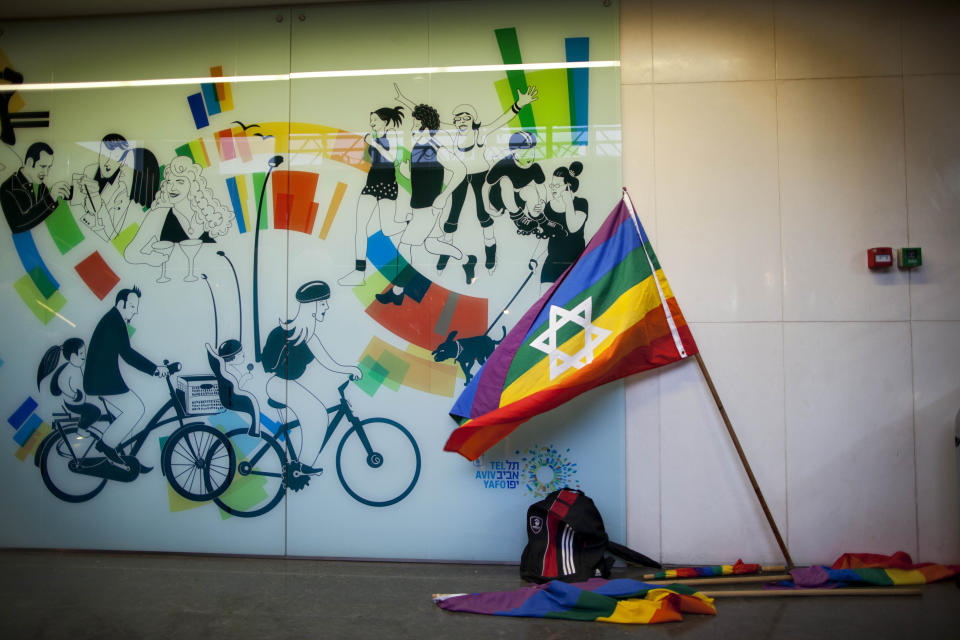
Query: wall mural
x=248 y=308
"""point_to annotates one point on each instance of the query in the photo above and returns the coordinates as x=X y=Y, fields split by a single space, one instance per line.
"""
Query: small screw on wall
x=302 y=17
x=279 y=18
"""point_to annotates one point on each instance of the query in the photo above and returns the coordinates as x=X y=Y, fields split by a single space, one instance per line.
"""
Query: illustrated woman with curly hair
x=185 y=212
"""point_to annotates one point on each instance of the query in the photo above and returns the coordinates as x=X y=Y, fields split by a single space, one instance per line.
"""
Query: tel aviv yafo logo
x=593 y=336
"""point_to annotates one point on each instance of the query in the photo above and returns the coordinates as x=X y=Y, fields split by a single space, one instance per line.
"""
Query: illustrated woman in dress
x=185 y=213
x=379 y=195
x=560 y=222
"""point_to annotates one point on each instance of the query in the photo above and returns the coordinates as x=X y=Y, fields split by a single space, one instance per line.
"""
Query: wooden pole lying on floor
x=770 y=577
x=785 y=593
x=775 y=593
x=743 y=461
x=766 y=567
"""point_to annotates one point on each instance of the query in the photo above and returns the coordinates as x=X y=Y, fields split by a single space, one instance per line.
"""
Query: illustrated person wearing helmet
x=515 y=184
x=289 y=349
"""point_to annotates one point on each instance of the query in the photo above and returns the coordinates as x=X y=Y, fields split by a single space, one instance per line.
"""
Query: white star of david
x=546 y=342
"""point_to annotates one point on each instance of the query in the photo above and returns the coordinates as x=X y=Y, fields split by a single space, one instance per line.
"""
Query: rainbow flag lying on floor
x=623 y=601
x=609 y=315
x=870 y=568
x=736 y=569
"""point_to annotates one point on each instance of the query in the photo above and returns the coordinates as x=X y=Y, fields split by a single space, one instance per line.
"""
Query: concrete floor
x=49 y=594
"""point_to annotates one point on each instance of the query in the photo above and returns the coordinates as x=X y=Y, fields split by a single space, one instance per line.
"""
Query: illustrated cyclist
x=111 y=342
x=290 y=348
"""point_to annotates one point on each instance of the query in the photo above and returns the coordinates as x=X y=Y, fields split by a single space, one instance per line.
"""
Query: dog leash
x=532 y=266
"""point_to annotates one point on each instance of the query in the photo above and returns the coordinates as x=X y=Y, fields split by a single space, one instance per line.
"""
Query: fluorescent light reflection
x=304 y=75
x=55 y=313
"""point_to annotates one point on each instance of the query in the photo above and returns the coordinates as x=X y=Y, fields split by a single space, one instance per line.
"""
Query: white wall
x=767 y=146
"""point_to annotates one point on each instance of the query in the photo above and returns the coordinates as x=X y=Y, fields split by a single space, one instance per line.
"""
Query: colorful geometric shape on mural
x=63 y=228
x=210 y=99
x=332 y=209
x=238 y=204
x=374 y=283
x=125 y=237
x=225 y=146
x=33 y=442
x=259 y=182
x=32 y=262
x=392 y=367
x=23 y=412
x=224 y=93
x=44 y=309
x=293 y=205
x=44 y=285
x=97 y=275
x=373 y=375
x=509 y=45
x=416 y=320
x=198 y=110
x=26 y=430
x=196 y=150
x=243 y=146
x=578 y=50
x=199 y=152
x=552 y=116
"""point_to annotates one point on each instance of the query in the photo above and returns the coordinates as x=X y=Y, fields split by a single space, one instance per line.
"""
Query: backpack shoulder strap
x=631 y=556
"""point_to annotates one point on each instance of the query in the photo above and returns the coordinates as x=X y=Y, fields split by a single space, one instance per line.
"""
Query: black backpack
x=566 y=541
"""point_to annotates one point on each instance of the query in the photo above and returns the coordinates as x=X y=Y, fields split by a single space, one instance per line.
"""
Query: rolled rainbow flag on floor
x=876 y=569
x=738 y=568
x=623 y=601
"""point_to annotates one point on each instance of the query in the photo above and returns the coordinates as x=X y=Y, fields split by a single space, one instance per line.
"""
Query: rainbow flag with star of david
x=610 y=314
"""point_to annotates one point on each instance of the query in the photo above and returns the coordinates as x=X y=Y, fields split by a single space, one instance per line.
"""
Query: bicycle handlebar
x=172 y=367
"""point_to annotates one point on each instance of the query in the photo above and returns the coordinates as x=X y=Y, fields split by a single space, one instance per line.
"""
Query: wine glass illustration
x=164 y=248
x=190 y=248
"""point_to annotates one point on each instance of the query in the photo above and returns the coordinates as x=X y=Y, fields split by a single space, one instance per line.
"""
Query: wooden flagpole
x=799 y=593
x=744 y=462
x=732 y=433
x=758 y=577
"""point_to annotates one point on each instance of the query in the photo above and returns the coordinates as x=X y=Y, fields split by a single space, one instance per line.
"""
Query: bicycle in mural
x=377 y=460
x=196 y=459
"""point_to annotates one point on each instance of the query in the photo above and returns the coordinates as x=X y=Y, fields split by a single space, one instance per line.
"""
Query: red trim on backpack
x=558 y=510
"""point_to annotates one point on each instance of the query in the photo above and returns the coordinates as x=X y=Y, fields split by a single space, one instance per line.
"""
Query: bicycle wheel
x=198 y=462
x=57 y=462
x=258 y=479
x=386 y=473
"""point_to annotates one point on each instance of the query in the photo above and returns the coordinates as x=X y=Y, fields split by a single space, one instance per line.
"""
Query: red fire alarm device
x=880 y=257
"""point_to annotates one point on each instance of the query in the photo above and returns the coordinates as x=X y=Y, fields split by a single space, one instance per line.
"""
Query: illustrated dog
x=466 y=351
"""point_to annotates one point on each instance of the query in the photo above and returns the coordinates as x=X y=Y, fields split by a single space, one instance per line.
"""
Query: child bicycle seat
x=231 y=395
